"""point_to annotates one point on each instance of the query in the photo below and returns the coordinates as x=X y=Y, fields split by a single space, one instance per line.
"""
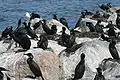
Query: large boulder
x=95 y=51
x=111 y=69
x=48 y=62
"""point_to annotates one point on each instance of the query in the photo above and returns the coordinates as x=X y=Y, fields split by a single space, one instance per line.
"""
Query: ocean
x=12 y=10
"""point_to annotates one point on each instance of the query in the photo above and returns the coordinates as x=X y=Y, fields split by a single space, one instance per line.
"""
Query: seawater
x=12 y=10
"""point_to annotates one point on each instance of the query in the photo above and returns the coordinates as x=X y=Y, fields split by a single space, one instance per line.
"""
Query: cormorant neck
x=82 y=61
x=63 y=32
x=29 y=60
x=99 y=73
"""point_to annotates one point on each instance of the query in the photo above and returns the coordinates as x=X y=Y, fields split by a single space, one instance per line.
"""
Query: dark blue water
x=12 y=10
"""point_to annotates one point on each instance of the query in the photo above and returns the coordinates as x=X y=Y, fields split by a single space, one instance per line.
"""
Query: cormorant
x=34 y=66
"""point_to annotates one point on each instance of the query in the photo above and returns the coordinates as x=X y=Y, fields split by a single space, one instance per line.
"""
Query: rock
x=95 y=51
x=111 y=69
x=48 y=62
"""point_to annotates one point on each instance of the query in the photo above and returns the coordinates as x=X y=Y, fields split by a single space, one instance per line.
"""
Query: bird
x=4 y=34
x=80 y=68
x=30 y=32
x=55 y=17
x=34 y=66
x=64 y=22
x=20 y=38
x=99 y=75
x=67 y=40
x=43 y=42
x=49 y=31
x=19 y=22
x=105 y=7
x=112 y=49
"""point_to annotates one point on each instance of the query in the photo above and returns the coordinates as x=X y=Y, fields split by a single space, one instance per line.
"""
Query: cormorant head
x=4 y=33
x=82 y=12
x=29 y=55
x=86 y=10
x=82 y=56
x=55 y=16
x=10 y=30
x=63 y=29
x=99 y=70
x=109 y=5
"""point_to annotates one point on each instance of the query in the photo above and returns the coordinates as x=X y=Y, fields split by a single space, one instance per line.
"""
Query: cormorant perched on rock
x=99 y=75
x=30 y=32
x=80 y=68
x=90 y=26
x=79 y=20
x=99 y=27
x=1 y=74
x=111 y=32
x=4 y=34
x=88 y=12
x=105 y=7
x=67 y=40
x=49 y=31
x=19 y=22
x=21 y=38
x=34 y=66
x=64 y=22
x=113 y=50
x=55 y=17
x=43 y=42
